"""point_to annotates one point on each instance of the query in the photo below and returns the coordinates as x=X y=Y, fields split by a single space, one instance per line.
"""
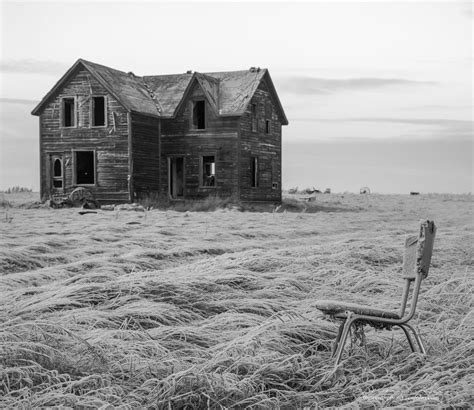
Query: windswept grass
x=167 y=309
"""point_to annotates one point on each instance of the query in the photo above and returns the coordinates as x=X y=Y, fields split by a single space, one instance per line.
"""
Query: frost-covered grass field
x=167 y=309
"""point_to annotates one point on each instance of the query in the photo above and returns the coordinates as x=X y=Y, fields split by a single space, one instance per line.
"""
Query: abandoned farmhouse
x=180 y=136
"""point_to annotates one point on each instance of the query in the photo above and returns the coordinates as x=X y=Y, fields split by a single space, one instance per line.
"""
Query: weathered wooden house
x=179 y=136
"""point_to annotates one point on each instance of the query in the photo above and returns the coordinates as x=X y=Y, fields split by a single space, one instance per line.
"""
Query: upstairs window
x=199 y=115
x=69 y=117
x=268 y=126
x=208 y=171
x=98 y=111
x=254 y=172
x=254 y=117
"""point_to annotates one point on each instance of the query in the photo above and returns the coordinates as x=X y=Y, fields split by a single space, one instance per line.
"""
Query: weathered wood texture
x=219 y=138
x=265 y=147
x=145 y=155
x=109 y=143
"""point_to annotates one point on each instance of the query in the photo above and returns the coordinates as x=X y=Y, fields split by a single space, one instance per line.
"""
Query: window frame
x=54 y=158
x=201 y=171
x=253 y=117
x=268 y=127
x=74 y=166
x=254 y=171
x=63 y=112
x=92 y=111
x=193 y=105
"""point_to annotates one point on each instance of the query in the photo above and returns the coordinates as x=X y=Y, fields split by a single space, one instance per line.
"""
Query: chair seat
x=335 y=307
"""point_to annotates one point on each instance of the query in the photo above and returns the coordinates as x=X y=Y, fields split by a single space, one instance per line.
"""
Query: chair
x=416 y=263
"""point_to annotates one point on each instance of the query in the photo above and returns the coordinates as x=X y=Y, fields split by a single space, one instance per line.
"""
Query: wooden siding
x=109 y=143
x=219 y=138
x=266 y=147
x=145 y=155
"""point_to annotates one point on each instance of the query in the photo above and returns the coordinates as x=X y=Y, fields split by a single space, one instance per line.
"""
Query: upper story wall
x=109 y=142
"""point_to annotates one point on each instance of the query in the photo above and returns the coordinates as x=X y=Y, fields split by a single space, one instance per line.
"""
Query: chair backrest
x=418 y=251
x=416 y=263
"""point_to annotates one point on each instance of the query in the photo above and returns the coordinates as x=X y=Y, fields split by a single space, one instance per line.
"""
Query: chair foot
x=417 y=338
x=407 y=334
x=342 y=341
x=338 y=338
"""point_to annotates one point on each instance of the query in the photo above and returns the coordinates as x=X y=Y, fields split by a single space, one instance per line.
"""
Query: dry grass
x=168 y=309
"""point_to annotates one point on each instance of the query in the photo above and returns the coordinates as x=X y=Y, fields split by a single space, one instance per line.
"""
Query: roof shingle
x=229 y=92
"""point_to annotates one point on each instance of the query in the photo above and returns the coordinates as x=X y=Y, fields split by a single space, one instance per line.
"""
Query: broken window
x=57 y=173
x=199 y=115
x=208 y=171
x=253 y=172
x=267 y=126
x=254 y=117
x=69 y=118
x=98 y=111
x=85 y=167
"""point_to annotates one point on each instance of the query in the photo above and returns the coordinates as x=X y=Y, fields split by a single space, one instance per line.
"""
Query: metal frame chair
x=416 y=263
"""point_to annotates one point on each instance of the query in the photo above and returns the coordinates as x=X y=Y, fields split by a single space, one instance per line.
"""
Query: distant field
x=169 y=309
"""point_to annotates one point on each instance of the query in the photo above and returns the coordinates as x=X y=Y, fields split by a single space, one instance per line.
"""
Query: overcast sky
x=377 y=94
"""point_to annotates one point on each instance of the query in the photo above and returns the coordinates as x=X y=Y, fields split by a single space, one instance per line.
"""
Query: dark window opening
x=199 y=115
x=176 y=177
x=254 y=172
x=98 y=111
x=275 y=185
x=58 y=168
x=267 y=126
x=254 y=117
x=68 y=112
x=209 y=171
x=57 y=173
x=85 y=167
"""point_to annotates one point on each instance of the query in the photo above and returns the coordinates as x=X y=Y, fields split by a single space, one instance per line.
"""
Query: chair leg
x=342 y=342
x=417 y=338
x=407 y=334
x=338 y=338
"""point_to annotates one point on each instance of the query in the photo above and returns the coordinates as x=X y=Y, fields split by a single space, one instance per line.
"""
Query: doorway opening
x=176 y=177
x=85 y=167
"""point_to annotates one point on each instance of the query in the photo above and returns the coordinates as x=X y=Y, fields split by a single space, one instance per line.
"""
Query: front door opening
x=85 y=168
x=176 y=177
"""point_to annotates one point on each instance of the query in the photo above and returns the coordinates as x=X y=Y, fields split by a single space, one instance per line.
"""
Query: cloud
x=18 y=101
x=31 y=66
x=426 y=128
x=417 y=121
x=313 y=85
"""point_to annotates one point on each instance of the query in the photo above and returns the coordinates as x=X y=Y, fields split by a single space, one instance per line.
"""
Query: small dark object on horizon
x=414 y=193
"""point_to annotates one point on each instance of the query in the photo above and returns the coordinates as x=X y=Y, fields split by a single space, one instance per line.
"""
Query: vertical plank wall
x=110 y=142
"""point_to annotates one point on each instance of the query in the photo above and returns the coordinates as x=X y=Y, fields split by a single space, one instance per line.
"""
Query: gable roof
x=228 y=92
x=127 y=89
